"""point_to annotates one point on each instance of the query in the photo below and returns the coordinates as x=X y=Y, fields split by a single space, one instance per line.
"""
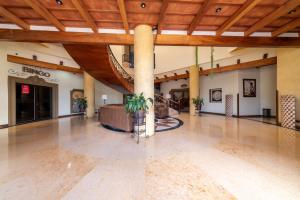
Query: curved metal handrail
x=119 y=67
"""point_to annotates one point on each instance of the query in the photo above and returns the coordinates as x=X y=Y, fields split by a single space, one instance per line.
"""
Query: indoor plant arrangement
x=198 y=102
x=82 y=104
x=138 y=105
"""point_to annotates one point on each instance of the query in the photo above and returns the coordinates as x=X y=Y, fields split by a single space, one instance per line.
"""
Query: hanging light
x=143 y=5
x=59 y=2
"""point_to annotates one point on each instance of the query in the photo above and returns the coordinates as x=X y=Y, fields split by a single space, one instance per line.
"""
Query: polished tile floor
x=209 y=157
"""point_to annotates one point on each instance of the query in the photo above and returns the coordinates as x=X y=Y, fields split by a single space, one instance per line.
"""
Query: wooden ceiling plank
x=203 y=9
x=237 y=16
x=127 y=39
x=41 y=10
x=162 y=15
x=282 y=10
x=289 y=26
x=123 y=14
x=46 y=65
x=82 y=9
x=13 y=18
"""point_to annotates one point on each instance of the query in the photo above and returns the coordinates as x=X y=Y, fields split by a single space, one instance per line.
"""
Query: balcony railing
x=119 y=67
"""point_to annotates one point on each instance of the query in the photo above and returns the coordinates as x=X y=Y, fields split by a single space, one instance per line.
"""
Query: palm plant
x=82 y=104
x=198 y=102
x=138 y=105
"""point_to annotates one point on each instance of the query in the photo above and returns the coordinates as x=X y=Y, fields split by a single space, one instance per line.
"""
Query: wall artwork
x=215 y=95
x=249 y=87
x=75 y=94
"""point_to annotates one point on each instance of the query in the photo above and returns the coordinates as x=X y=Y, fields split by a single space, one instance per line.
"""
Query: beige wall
x=113 y=96
x=288 y=74
x=52 y=53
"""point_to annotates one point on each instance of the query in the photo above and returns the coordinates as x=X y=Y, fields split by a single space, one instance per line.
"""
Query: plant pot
x=198 y=109
x=139 y=117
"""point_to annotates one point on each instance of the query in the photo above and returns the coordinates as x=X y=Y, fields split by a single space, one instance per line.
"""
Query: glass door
x=33 y=103
x=43 y=102
x=24 y=103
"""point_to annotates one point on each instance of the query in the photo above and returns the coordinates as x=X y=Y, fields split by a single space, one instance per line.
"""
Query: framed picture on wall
x=74 y=95
x=215 y=95
x=249 y=87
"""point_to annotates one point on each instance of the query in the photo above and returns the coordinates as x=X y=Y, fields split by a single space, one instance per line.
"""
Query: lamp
x=168 y=96
x=104 y=97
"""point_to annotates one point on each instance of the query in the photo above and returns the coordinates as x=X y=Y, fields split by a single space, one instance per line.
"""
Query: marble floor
x=267 y=120
x=209 y=157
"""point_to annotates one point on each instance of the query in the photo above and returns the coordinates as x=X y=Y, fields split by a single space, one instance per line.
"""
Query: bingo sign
x=35 y=71
x=25 y=89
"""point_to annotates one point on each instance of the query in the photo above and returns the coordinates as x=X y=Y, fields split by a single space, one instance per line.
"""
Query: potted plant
x=138 y=105
x=198 y=102
x=82 y=104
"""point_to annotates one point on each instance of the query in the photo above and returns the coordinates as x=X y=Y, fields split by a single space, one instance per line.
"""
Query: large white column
x=194 y=86
x=144 y=69
x=89 y=93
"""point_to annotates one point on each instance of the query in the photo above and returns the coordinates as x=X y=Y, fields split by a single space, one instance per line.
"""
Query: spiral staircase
x=100 y=63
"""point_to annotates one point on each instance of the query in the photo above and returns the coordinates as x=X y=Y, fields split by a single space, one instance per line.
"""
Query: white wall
x=113 y=96
x=249 y=105
x=179 y=58
x=166 y=87
x=226 y=81
x=50 y=53
x=268 y=85
x=232 y=83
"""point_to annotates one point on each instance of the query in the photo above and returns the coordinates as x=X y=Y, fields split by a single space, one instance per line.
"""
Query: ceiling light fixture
x=143 y=5
x=292 y=11
x=218 y=10
x=59 y=2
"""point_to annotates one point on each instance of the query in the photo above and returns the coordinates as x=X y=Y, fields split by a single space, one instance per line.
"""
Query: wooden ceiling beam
x=226 y=41
x=41 y=64
x=237 y=16
x=240 y=66
x=13 y=18
x=171 y=78
x=126 y=39
x=201 y=12
x=41 y=10
x=82 y=9
x=123 y=14
x=289 y=26
x=283 y=10
x=163 y=10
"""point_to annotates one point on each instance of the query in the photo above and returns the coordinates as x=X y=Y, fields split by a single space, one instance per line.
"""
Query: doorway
x=181 y=95
x=31 y=99
x=33 y=103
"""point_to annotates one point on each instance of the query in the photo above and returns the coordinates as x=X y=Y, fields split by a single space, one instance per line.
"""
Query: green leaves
x=137 y=102
x=198 y=101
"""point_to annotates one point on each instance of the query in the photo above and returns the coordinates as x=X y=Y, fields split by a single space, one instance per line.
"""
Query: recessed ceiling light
x=59 y=2
x=143 y=5
x=292 y=11
x=218 y=10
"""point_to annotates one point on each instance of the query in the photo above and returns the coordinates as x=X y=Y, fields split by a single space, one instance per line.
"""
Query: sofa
x=161 y=110
x=115 y=116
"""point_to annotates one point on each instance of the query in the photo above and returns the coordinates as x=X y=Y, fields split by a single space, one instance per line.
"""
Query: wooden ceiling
x=248 y=16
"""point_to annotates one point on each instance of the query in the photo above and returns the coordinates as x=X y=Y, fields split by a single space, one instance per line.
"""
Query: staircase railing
x=119 y=67
x=176 y=105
